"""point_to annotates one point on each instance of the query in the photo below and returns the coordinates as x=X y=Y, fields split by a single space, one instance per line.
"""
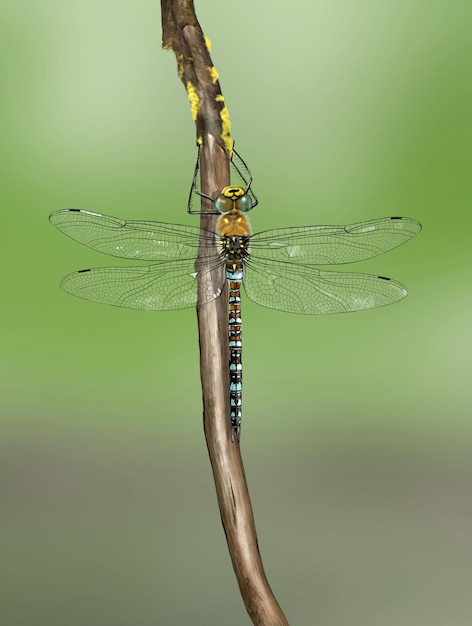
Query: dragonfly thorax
x=234 y=223
x=234 y=248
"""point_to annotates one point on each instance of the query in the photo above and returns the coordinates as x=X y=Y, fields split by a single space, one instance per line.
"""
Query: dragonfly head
x=233 y=199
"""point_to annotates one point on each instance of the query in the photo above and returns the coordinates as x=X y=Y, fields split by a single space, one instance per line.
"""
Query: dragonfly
x=278 y=268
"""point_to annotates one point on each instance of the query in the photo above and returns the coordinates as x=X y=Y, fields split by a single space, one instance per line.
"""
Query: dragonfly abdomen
x=234 y=231
x=234 y=274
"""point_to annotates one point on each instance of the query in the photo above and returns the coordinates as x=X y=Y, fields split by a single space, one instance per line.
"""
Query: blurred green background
x=357 y=432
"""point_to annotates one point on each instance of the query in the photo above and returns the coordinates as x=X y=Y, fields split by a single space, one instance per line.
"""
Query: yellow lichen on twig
x=214 y=74
x=193 y=99
x=225 y=126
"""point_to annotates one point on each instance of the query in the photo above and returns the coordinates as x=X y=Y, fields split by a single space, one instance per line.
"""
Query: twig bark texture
x=182 y=34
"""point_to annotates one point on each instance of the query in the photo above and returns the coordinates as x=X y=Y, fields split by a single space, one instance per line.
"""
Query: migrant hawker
x=276 y=267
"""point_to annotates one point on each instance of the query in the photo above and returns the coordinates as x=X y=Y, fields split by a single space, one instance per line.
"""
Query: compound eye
x=244 y=203
x=223 y=204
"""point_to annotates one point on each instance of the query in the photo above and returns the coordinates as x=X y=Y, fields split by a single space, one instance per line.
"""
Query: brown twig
x=182 y=34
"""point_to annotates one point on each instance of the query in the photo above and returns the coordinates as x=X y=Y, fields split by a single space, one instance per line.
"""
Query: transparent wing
x=161 y=287
x=303 y=289
x=333 y=245
x=132 y=239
